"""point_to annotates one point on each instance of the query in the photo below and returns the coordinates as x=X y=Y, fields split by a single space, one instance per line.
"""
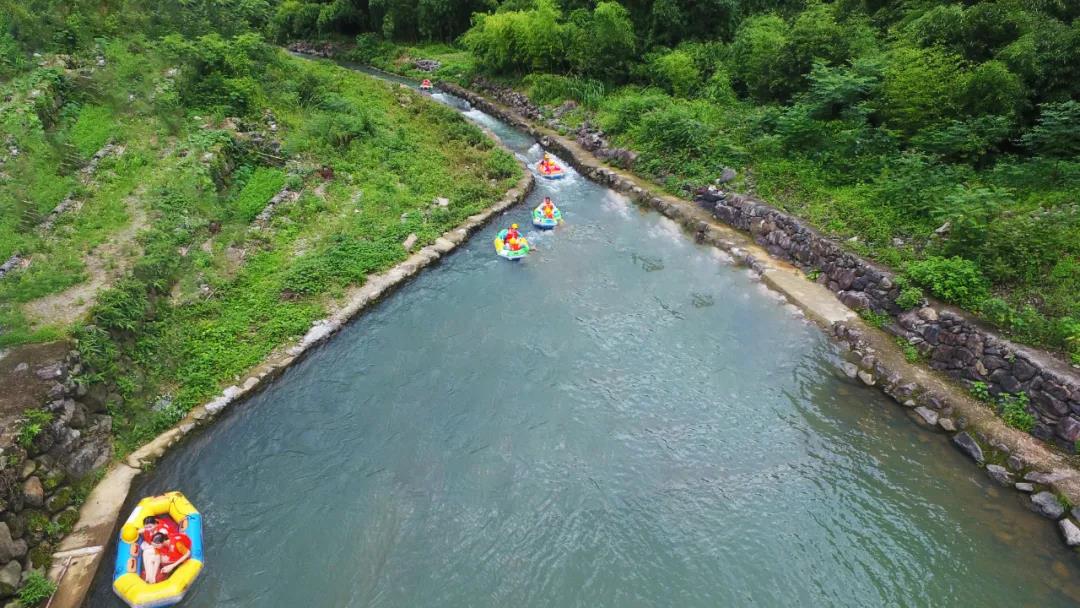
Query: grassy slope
x=210 y=292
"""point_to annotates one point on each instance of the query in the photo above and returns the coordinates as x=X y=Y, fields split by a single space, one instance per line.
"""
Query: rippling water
x=622 y=419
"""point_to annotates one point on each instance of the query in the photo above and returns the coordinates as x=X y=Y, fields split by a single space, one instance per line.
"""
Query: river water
x=621 y=419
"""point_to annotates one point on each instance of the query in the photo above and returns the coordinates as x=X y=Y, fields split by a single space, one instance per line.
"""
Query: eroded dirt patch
x=104 y=265
x=25 y=380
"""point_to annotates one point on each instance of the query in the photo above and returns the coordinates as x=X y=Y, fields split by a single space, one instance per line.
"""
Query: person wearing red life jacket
x=164 y=555
x=153 y=525
x=513 y=233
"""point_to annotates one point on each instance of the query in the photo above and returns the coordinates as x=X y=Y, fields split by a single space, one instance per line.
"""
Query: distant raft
x=542 y=219
x=514 y=250
x=550 y=170
x=128 y=582
x=425 y=85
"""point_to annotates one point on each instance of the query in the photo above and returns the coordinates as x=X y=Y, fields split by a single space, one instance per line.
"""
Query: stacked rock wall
x=37 y=495
x=951 y=340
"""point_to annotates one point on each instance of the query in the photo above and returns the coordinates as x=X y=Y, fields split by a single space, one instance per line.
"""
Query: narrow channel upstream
x=622 y=419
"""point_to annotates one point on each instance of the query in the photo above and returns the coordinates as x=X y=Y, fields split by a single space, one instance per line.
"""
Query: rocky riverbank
x=950 y=339
x=47 y=456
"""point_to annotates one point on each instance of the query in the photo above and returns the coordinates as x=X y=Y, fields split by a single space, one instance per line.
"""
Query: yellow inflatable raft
x=128 y=582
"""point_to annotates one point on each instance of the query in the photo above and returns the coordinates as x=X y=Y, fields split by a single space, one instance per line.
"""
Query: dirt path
x=104 y=265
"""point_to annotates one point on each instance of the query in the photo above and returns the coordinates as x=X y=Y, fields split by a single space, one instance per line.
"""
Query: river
x=622 y=419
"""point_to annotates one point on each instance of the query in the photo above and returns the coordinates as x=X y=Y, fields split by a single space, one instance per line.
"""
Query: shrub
x=341 y=130
x=550 y=89
x=603 y=41
x=370 y=49
x=980 y=391
x=920 y=88
x=37 y=589
x=122 y=307
x=875 y=319
x=341 y=261
x=500 y=164
x=1071 y=329
x=1058 y=131
x=676 y=72
x=910 y=297
x=952 y=279
x=757 y=55
x=33 y=423
x=619 y=113
x=1013 y=410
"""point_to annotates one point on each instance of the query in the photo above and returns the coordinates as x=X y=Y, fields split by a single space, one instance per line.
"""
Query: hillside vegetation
x=938 y=136
x=182 y=201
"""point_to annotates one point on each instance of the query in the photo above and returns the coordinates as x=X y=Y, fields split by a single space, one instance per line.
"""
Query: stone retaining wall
x=951 y=340
x=36 y=494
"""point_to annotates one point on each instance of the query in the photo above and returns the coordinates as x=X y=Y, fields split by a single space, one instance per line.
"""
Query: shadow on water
x=621 y=419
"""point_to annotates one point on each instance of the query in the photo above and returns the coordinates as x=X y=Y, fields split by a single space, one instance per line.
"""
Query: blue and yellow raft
x=127 y=576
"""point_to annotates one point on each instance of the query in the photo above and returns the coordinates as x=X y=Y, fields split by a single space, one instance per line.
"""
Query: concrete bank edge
x=80 y=553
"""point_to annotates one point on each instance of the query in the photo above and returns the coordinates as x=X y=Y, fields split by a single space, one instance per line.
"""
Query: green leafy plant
x=33 y=423
x=911 y=353
x=1014 y=411
x=952 y=279
x=37 y=589
x=876 y=319
x=910 y=297
x=814 y=274
x=980 y=390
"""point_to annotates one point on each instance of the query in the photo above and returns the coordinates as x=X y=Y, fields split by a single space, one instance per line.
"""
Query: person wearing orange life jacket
x=548 y=208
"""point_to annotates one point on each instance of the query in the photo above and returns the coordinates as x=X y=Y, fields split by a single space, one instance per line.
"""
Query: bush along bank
x=1009 y=456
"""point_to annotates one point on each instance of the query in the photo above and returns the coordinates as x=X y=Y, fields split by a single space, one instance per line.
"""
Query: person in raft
x=547 y=164
x=152 y=525
x=164 y=554
x=512 y=233
x=547 y=208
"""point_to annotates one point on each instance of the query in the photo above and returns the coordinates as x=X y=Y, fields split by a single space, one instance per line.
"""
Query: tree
x=920 y=88
x=676 y=72
x=1058 y=131
x=992 y=89
x=757 y=54
x=602 y=41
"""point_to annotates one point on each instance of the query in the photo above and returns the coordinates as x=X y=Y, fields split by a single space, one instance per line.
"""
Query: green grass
x=263 y=184
x=92 y=129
